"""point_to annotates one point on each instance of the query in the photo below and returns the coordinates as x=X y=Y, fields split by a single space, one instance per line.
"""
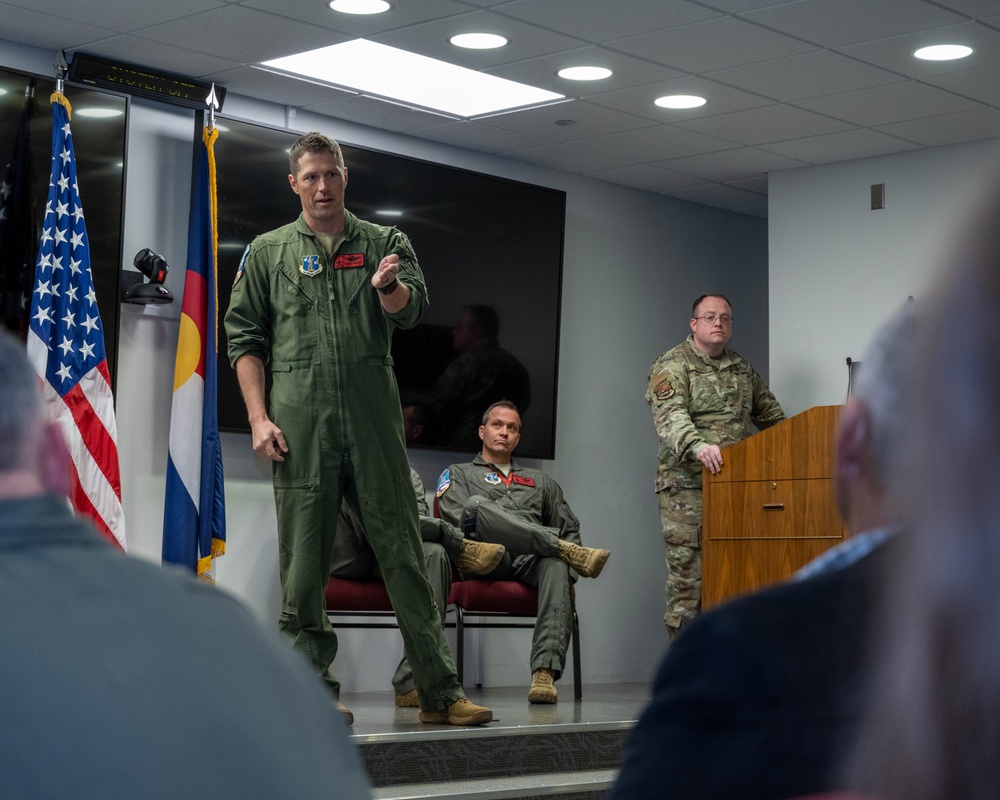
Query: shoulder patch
x=664 y=390
x=239 y=271
x=443 y=483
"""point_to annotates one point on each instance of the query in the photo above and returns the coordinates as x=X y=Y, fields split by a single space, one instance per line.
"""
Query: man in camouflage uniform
x=704 y=397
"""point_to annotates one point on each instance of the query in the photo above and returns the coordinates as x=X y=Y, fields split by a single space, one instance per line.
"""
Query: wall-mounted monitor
x=491 y=251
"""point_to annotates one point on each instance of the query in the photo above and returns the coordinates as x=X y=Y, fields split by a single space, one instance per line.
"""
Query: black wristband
x=390 y=287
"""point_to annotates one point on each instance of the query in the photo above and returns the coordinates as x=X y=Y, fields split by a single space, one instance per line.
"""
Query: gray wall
x=838 y=269
x=634 y=261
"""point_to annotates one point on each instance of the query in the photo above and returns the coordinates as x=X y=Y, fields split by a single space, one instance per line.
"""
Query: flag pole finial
x=61 y=67
x=213 y=105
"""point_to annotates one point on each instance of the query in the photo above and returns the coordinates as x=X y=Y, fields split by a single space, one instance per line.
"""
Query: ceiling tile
x=979 y=84
x=896 y=52
x=431 y=39
x=893 y=103
x=541 y=71
x=731 y=165
x=805 y=75
x=769 y=124
x=716 y=44
x=263 y=35
x=756 y=185
x=181 y=61
x=832 y=23
x=843 y=146
x=120 y=18
x=588 y=120
x=567 y=158
x=967 y=126
x=48 y=32
x=654 y=144
x=720 y=196
x=639 y=100
x=589 y=19
x=317 y=12
x=650 y=178
x=477 y=136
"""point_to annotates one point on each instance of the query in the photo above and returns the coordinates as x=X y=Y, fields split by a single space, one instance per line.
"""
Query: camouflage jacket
x=698 y=401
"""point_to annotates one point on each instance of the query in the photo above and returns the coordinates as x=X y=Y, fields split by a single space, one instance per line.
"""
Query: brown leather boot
x=479 y=557
x=588 y=561
x=543 y=687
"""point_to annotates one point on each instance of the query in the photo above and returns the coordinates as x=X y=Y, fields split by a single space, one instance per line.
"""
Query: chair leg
x=460 y=644
x=577 y=678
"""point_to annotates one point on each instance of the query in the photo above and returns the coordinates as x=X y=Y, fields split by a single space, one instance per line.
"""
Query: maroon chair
x=365 y=597
x=502 y=604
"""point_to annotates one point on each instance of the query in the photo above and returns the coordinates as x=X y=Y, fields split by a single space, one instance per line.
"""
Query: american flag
x=66 y=341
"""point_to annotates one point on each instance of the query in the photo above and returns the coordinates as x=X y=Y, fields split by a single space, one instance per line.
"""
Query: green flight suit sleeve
x=409 y=273
x=423 y=509
x=248 y=318
x=451 y=500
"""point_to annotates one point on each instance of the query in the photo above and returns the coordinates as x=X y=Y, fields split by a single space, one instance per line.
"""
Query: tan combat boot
x=543 y=687
x=588 y=561
x=479 y=557
x=461 y=712
x=408 y=699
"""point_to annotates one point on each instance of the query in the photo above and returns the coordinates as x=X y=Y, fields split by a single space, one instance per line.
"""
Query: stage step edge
x=583 y=783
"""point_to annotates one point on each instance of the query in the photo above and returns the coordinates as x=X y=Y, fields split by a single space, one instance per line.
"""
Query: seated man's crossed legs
x=537 y=556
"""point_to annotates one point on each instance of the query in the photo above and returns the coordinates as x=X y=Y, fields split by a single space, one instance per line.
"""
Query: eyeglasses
x=710 y=319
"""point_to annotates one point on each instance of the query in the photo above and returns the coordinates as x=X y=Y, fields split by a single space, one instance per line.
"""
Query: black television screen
x=491 y=252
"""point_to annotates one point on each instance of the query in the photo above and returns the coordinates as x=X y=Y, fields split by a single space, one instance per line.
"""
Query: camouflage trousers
x=680 y=518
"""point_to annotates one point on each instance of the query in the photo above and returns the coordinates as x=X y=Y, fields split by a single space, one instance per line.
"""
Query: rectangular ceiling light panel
x=410 y=78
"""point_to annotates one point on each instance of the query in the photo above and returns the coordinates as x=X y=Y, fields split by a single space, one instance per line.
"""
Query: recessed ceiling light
x=415 y=80
x=389 y=212
x=680 y=101
x=359 y=6
x=478 y=41
x=98 y=112
x=943 y=52
x=584 y=73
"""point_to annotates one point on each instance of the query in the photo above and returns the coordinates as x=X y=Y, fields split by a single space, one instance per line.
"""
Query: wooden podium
x=772 y=507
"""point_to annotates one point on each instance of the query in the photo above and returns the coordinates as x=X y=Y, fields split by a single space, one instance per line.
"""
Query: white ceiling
x=788 y=84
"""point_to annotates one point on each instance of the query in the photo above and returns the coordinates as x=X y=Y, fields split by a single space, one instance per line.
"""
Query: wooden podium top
x=799 y=447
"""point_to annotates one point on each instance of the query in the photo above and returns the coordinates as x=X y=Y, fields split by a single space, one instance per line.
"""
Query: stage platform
x=571 y=749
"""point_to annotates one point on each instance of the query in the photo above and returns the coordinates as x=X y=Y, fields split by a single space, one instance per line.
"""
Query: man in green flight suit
x=704 y=397
x=319 y=298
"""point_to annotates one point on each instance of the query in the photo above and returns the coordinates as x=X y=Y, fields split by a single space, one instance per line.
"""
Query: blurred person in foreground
x=119 y=678
x=760 y=697
x=932 y=727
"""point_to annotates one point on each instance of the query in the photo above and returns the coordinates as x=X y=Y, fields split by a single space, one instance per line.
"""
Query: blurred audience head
x=932 y=730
